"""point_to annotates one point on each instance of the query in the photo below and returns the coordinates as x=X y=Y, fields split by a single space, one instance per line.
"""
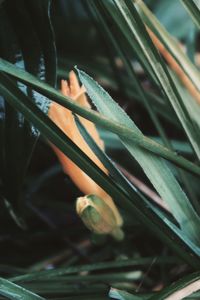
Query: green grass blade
x=107 y=162
x=180 y=290
x=16 y=292
x=107 y=277
x=138 y=208
x=170 y=43
x=102 y=266
x=113 y=39
x=154 y=167
x=116 y=12
x=122 y=295
x=135 y=29
x=102 y=71
x=132 y=75
x=47 y=127
x=193 y=7
x=112 y=126
x=112 y=142
x=115 y=173
x=191 y=105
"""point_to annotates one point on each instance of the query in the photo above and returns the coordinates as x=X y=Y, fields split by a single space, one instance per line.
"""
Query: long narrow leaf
x=135 y=29
x=193 y=7
x=154 y=167
x=115 y=127
x=106 y=161
x=138 y=208
x=16 y=292
x=102 y=70
x=130 y=70
x=170 y=43
x=113 y=39
x=103 y=266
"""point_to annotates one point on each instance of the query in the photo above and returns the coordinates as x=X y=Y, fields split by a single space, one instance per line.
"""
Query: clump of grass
x=146 y=109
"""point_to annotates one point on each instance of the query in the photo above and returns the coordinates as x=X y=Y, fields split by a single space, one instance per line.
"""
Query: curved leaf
x=16 y=292
x=154 y=167
x=142 y=210
x=106 y=123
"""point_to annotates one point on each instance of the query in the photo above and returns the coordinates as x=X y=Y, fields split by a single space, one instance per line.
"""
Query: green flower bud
x=98 y=216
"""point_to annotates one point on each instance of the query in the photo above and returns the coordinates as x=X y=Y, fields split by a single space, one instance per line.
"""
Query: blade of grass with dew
x=48 y=128
x=140 y=209
x=100 y=68
x=48 y=91
x=112 y=126
x=16 y=292
x=114 y=40
x=154 y=167
x=137 y=86
x=101 y=71
x=193 y=7
x=135 y=29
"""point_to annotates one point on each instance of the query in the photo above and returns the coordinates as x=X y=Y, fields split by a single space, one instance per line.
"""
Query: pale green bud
x=98 y=216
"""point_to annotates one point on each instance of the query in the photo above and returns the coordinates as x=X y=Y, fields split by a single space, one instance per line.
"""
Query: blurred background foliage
x=39 y=227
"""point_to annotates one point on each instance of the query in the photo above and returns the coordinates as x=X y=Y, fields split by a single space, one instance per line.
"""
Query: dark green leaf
x=141 y=210
x=34 y=276
x=115 y=127
x=154 y=167
x=22 y=45
x=135 y=31
x=16 y=292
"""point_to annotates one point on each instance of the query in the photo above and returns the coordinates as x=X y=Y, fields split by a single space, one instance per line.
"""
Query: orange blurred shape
x=64 y=119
